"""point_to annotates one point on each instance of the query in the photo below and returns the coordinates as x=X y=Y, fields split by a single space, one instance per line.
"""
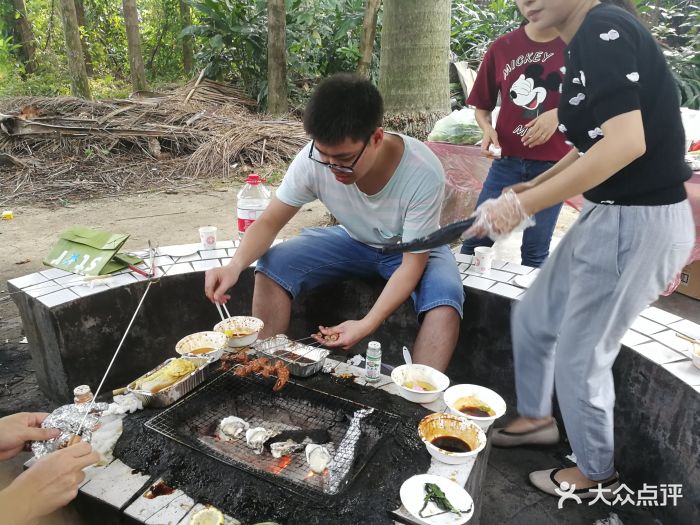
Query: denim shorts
x=321 y=256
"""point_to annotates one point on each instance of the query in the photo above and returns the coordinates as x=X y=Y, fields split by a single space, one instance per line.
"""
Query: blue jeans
x=506 y=172
x=327 y=255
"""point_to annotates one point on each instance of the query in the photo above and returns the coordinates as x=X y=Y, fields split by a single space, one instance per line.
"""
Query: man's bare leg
x=437 y=338
x=271 y=304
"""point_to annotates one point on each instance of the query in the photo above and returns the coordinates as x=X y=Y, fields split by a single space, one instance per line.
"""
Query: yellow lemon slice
x=207 y=516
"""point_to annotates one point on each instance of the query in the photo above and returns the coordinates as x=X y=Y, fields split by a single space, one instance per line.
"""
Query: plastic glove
x=496 y=218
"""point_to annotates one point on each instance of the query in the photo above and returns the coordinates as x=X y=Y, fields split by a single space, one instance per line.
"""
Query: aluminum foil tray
x=169 y=395
x=268 y=347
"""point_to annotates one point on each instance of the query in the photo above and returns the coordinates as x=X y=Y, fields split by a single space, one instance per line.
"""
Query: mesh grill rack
x=193 y=422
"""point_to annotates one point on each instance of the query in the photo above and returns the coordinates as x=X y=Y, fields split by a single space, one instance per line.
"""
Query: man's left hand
x=345 y=335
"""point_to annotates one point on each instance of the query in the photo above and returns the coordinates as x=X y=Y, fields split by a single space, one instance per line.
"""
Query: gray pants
x=613 y=262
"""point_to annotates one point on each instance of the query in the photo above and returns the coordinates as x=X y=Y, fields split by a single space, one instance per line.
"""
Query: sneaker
x=547 y=434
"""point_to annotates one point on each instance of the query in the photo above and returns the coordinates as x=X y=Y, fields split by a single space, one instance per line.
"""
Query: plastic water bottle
x=252 y=200
x=373 y=361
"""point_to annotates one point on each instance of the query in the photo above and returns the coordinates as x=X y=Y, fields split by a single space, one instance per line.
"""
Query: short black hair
x=343 y=106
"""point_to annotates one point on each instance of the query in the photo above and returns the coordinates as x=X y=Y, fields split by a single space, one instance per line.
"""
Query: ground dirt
x=165 y=218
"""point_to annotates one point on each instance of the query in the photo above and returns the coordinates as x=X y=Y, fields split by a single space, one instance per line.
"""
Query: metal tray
x=169 y=395
x=268 y=347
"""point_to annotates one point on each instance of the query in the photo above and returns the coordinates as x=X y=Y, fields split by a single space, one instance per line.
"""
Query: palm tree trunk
x=80 y=13
x=369 y=31
x=131 y=20
x=414 y=61
x=26 y=36
x=187 y=52
x=80 y=87
x=276 y=58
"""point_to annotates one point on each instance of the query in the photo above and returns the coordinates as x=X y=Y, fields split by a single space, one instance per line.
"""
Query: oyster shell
x=282 y=448
x=232 y=427
x=256 y=437
x=317 y=457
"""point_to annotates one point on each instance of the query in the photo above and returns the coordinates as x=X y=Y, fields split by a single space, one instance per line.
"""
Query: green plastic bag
x=86 y=251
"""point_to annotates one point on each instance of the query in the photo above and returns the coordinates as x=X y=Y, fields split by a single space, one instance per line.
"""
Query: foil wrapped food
x=68 y=419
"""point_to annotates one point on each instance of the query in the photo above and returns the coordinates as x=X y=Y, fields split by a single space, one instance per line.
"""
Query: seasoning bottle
x=82 y=394
x=373 y=361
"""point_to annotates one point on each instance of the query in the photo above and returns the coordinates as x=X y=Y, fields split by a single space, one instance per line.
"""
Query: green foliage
x=475 y=25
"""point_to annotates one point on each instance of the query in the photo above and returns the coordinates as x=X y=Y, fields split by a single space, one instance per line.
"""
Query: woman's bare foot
x=575 y=477
x=525 y=424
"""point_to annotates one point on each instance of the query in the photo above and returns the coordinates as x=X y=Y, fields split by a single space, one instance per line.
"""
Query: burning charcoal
x=317 y=457
x=232 y=427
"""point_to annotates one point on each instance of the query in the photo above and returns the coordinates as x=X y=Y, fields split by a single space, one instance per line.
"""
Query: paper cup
x=483 y=258
x=207 y=234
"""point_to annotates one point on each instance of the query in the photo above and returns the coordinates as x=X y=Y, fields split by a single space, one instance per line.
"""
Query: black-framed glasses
x=338 y=167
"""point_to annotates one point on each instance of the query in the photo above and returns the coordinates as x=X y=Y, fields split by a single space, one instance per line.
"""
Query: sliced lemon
x=207 y=516
x=229 y=333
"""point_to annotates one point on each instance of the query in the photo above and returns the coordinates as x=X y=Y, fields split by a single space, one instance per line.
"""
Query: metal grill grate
x=193 y=421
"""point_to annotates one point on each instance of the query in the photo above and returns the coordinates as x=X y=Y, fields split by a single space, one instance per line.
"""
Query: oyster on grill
x=318 y=458
x=256 y=437
x=283 y=448
x=232 y=427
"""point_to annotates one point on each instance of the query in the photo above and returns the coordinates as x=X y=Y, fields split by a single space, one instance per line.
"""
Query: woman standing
x=523 y=67
x=620 y=108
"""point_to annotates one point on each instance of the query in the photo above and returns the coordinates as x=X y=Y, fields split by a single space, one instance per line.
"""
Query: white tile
x=463 y=258
x=121 y=280
x=506 y=290
x=517 y=268
x=632 y=339
x=174 y=512
x=224 y=244
x=177 y=269
x=228 y=520
x=56 y=298
x=84 y=291
x=686 y=371
x=144 y=508
x=498 y=265
x=670 y=339
x=28 y=280
x=187 y=258
x=212 y=254
x=658 y=353
x=646 y=326
x=68 y=280
x=697 y=389
x=200 y=266
x=54 y=273
x=42 y=289
x=231 y=252
x=225 y=261
x=660 y=316
x=463 y=267
x=159 y=261
x=686 y=327
x=478 y=282
x=116 y=484
x=499 y=275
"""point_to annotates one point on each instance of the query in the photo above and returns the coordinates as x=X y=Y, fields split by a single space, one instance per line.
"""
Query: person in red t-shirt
x=525 y=68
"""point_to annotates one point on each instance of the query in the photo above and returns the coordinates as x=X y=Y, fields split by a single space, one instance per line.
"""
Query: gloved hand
x=496 y=218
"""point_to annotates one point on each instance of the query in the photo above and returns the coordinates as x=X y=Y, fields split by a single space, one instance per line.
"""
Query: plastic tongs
x=439 y=237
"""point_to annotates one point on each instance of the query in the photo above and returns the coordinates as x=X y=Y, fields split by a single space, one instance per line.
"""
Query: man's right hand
x=49 y=484
x=218 y=281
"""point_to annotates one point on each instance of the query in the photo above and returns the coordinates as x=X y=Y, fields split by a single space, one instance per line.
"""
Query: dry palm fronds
x=51 y=148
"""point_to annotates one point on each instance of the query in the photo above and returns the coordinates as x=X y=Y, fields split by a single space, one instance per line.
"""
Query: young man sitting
x=382 y=188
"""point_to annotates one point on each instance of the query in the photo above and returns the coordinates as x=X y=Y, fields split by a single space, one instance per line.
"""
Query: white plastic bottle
x=252 y=200
x=373 y=361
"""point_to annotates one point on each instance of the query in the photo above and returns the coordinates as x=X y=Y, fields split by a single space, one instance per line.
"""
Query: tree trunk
x=26 y=37
x=369 y=31
x=80 y=13
x=276 y=58
x=187 y=53
x=131 y=20
x=80 y=87
x=414 y=62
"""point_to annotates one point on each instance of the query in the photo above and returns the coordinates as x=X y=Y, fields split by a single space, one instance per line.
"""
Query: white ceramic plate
x=413 y=496
x=524 y=281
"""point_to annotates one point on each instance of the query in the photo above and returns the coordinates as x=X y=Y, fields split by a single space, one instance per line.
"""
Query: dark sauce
x=159 y=489
x=294 y=357
x=451 y=444
x=475 y=411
